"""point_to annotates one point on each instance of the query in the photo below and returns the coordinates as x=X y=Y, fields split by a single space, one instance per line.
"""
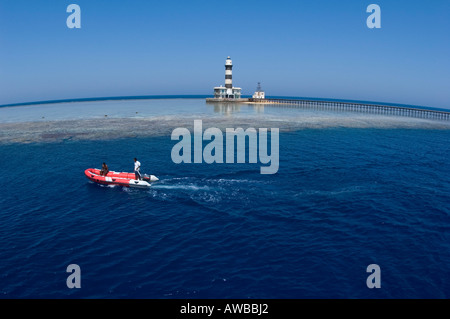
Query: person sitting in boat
x=137 y=168
x=104 y=170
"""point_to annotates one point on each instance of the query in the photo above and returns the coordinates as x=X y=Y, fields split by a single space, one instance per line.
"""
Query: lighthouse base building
x=221 y=92
x=227 y=93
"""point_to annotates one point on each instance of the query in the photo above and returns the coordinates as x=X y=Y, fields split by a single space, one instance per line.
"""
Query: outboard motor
x=150 y=178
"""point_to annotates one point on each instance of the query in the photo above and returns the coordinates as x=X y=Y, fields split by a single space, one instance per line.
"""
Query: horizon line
x=198 y=96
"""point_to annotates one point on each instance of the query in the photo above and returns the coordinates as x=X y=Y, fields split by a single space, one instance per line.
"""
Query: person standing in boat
x=104 y=170
x=137 y=169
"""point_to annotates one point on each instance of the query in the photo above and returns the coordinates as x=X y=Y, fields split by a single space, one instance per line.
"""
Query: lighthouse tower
x=227 y=93
x=228 y=74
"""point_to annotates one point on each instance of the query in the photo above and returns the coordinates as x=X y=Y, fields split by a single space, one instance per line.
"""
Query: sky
x=320 y=49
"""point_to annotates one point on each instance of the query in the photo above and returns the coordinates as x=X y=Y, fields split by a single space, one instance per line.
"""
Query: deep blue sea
x=343 y=198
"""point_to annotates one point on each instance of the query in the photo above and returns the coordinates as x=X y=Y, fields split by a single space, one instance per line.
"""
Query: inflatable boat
x=122 y=178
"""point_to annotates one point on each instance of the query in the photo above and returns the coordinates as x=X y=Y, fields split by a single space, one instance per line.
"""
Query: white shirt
x=137 y=165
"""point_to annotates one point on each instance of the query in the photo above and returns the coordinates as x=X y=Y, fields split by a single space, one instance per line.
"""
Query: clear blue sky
x=308 y=48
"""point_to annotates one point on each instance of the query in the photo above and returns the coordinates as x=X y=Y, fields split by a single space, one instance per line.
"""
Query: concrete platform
x=211 y=99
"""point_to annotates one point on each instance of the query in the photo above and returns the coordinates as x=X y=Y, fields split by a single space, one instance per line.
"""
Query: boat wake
x=183 y=187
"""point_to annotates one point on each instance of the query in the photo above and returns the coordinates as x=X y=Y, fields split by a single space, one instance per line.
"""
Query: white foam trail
x=185 y=187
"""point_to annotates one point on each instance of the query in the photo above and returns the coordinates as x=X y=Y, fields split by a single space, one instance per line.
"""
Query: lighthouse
x=227 y=93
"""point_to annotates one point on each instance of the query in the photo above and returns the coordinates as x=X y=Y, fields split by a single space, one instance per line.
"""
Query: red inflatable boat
x=116 y=178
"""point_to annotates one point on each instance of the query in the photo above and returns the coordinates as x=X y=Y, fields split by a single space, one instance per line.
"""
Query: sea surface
x=351 y=190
